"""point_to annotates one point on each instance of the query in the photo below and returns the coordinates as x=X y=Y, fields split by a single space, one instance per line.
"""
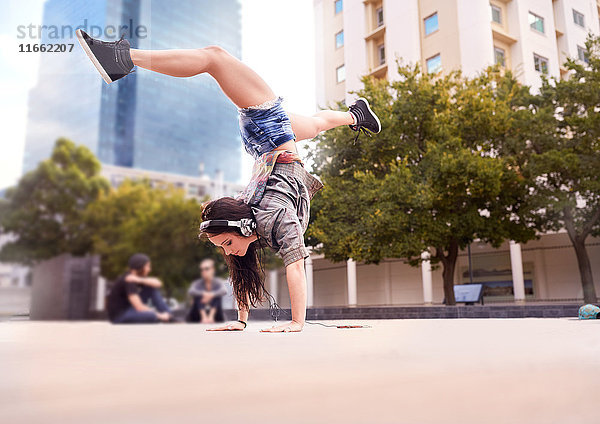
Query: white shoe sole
x=89 y=53
x=372 y=113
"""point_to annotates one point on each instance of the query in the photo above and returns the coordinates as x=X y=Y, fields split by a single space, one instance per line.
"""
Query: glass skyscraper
x=145 y=120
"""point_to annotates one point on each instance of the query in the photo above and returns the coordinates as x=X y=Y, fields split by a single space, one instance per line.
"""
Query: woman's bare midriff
x=288 y=145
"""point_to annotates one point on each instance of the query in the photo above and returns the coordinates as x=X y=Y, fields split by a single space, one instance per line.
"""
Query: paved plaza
x=398 y=371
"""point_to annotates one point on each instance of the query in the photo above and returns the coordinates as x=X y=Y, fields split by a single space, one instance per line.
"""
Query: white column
x=427 y=277
x=273 y=283
x=351 y=271
x=516 y=264
x=100 y=294
x=308 y=266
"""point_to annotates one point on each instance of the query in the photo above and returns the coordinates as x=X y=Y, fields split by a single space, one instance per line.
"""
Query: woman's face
x=232 y=244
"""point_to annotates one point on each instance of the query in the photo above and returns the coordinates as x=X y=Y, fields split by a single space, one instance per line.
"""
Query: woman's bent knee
x=216 y=54
x=215 y=50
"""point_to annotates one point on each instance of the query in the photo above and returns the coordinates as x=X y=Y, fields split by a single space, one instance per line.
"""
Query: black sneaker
x=365 y=117
x=111 y=58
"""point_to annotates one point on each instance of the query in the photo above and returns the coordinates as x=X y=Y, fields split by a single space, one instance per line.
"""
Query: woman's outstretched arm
x=296 y=280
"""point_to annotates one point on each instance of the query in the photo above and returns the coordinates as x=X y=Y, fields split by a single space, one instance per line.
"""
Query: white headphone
x=246 y=225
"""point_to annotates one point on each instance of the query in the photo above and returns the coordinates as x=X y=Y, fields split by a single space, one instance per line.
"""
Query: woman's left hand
x=231 y=326
x=290 y=327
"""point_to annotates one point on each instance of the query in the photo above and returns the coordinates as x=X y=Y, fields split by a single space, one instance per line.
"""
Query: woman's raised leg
x=241 y=84
x=307 y=127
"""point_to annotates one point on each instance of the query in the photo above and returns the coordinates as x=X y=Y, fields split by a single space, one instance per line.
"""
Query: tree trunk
x=583 y=260
x=449 y=264
x=585 y=271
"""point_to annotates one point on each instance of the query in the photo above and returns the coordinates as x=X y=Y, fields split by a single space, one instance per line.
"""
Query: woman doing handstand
x=273 y=211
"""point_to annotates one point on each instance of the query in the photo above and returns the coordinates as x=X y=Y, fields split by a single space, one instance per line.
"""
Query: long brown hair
x=246 y=272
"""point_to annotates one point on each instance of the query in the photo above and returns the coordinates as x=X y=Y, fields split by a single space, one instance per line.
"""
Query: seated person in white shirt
x=206 y=293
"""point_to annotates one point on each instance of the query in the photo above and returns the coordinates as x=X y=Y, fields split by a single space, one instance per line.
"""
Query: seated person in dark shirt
x=128 y=298
x=206 y=293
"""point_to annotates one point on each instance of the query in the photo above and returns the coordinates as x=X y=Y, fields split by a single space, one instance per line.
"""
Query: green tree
x=160 y=222
x=562 y=157
x=44 y=211
x=431 y=180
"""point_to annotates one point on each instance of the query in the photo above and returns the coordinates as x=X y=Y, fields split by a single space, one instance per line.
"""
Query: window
x=540 y=63
x=536 y=22
x=379 y=16
x=499 y=56
x=582 y=54
x=434 y=64
x=339 y=6
x=339 y=39
x=340 y=73
x=431 y=24
x=381 y=53
x=496 y=14
x=578 y=18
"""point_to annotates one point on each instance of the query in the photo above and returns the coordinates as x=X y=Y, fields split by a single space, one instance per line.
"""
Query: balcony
x=376 y=33
x=378 y=72
x=501 y=35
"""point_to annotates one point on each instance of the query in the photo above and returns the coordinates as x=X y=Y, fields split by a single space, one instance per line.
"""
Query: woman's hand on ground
x=230 y=326
x=290 y=327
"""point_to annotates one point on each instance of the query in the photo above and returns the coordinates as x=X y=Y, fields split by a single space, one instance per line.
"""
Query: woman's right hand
x=230 y=326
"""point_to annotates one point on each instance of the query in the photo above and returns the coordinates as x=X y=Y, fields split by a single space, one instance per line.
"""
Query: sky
x=277 y=42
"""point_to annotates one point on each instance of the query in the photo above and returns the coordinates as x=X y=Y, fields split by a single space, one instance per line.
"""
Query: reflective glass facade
x=148 y=120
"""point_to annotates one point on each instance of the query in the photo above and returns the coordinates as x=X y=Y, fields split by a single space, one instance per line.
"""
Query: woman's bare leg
x=241 y=84
x=307 y=127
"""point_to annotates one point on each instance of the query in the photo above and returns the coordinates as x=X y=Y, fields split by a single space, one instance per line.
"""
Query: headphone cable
x=275 y=311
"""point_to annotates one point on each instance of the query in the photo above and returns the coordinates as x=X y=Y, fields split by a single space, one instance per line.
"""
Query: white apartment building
x=530 y=37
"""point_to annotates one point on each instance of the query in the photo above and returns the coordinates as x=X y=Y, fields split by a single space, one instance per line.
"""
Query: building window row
x=434 y=63
x=536 y=22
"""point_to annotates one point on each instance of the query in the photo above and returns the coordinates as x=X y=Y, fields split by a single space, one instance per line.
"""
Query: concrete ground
x=398 y=371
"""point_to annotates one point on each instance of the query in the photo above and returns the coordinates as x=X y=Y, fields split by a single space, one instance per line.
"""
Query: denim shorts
x=263 y=130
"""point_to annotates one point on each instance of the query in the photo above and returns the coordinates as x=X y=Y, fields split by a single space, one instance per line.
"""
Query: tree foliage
x=44 y=211
x=561 y=157
x=431 y=180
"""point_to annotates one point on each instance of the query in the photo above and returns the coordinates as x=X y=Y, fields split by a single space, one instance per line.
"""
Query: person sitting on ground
x=206 y=293
x=127 y=301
